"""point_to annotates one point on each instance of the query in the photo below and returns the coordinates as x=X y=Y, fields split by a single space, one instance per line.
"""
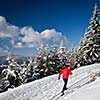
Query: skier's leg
x=65 y=84
x=66 y=80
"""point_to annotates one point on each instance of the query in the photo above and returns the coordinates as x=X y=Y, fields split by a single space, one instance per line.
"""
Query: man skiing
x=66 y=72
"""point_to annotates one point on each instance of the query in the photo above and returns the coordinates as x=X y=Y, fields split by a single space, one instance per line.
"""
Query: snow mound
x=48 y=88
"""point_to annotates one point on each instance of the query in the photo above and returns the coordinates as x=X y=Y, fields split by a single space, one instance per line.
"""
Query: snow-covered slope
x=48 y=88
x=88 y=92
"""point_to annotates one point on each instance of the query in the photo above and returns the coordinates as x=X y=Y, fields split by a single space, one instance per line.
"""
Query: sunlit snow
x=81 y=87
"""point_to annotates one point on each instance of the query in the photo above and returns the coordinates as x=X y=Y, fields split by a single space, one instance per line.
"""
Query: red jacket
x=66 y=72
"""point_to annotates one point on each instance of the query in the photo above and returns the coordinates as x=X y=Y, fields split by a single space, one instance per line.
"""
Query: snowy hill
x=49 y=88
x=88 y=92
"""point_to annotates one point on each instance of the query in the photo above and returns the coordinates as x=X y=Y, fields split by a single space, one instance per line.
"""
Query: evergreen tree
x=54 y=59
x=50 y=60
x=62 y=56
x=89 y=50
x=11 y=74
x=81 y=56
x=43 y=62
x=28 y=71
x=23 y=71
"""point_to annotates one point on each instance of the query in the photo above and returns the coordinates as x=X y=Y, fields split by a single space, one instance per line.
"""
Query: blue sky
x=62 y=18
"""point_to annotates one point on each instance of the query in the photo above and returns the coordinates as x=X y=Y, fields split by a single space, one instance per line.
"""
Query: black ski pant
x=65 y=85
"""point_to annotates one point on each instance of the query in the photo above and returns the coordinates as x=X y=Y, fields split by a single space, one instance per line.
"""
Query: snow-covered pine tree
x=90 y=49
x=62 y=56
x=80 y=55
x=29 y=70
x=50 y=60
x=43 y=62
x=23 y=71
x=12 y=74
x=55 y=61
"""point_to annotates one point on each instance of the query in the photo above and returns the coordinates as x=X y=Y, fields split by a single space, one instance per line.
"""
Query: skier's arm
x=60 y=74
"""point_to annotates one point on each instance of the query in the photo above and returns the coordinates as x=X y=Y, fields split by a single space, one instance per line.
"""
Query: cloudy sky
x=25 y=24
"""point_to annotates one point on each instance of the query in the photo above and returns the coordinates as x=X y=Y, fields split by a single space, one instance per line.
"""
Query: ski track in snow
x=48 y=87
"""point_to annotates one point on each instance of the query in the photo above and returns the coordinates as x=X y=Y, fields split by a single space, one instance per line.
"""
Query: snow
x=89 y=92
x=49 y=87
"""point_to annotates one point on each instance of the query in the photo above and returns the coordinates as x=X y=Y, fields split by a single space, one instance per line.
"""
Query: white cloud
x=51 y=34
x=7 y=30
x=18 y=45
x=30 y=36
x=27 y=37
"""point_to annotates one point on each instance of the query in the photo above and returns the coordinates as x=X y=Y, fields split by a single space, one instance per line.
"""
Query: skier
x=66 y=72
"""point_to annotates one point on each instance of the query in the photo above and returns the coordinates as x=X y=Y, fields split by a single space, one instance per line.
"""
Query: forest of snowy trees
x=89 y=49
x=48 y=61
x=51 y=59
